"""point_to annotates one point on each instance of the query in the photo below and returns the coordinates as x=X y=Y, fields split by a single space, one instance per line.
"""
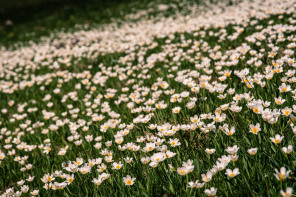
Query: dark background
x=43 y=16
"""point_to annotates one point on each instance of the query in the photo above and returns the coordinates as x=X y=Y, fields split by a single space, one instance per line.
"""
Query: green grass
x=256 y=176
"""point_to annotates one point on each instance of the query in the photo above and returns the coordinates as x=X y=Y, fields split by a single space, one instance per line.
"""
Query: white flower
x=176 y=110
x=288 y=149
x=211 y=192
x=128 y=180
x=232 y=173
x=283 y=174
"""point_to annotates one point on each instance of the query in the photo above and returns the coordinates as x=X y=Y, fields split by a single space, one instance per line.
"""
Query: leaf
x=172 y=188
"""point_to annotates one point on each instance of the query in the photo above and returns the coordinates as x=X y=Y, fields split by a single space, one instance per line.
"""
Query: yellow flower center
x=129 y=182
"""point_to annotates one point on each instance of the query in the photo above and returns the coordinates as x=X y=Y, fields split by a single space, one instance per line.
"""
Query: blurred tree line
x=23 y=10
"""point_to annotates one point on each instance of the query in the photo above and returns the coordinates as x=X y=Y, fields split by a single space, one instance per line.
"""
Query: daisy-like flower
x=257 y=109
x=116 y=165
x=195 y=184
x=30 y=178
x=25 y=188
x=108 y=159
x=153 y=164
x=47 y=186
x=145 y=160
x=234 y=158
x=288 y=149
x=79 y=161
x=279 y=101
x=282 y=174
x=170 y=154
x=164 y=84
x=182 y=171
x=35 y=192
x=98 y=145
x=91 y=162
x=220 y=165
x=84 y=169
x=277 y=139
x=232 y=173
x=286 y=111
x=252 y=151
x=255 y=129
x=97 y=181
x=229 y=132
x=284 y=88
x=207 y=177
x=287 y=193
x=232 y=150
x=104 y=176
x=128 y=180
x=189 y=165
x=128 y=159
x=149 y=147
x=211 y=192
x=118 y=140
x=210 y=151
x=176 y=110
x=102 y=167
x=158 y=157
x=47 y=178
x=174 y=142
x=69 y=178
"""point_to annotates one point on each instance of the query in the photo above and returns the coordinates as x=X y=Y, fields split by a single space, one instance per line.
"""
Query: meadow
x=179 y=99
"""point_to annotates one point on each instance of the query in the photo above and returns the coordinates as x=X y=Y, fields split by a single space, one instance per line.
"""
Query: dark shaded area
x=24 y=10
x=19 y=18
